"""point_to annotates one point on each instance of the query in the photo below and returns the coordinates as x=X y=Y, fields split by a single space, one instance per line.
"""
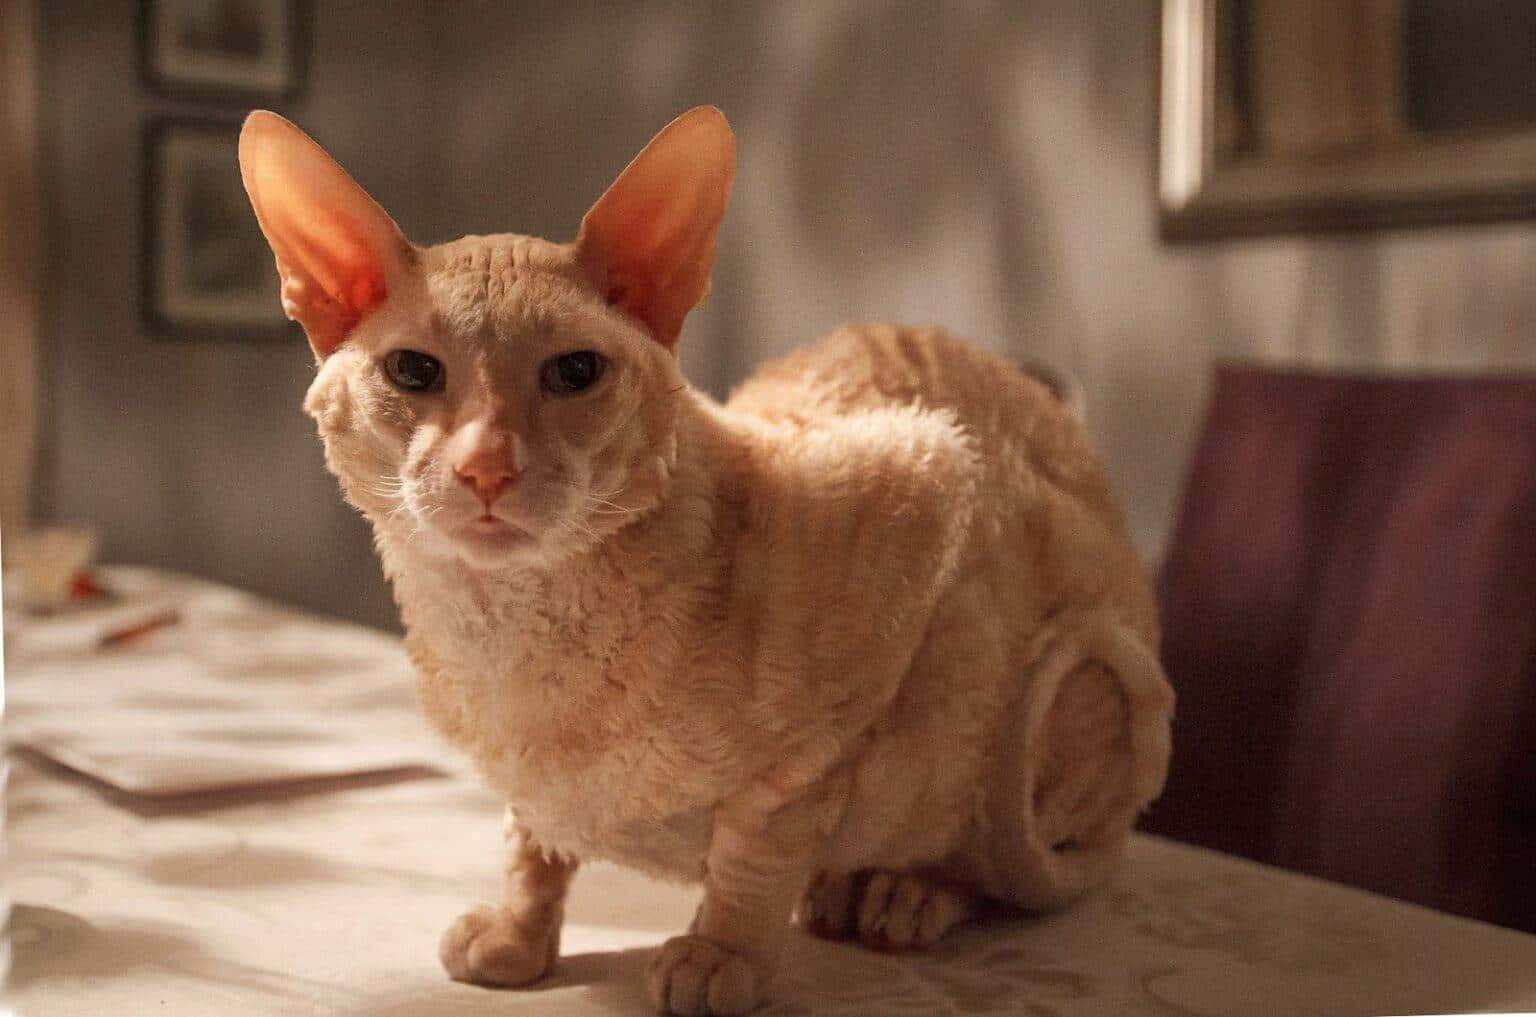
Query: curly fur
x=870 y=633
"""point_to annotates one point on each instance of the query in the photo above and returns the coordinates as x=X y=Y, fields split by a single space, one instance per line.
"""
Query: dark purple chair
x=1349 y=609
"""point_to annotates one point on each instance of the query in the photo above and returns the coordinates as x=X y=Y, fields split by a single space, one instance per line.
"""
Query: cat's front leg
x=759 y=861
x=518 y=942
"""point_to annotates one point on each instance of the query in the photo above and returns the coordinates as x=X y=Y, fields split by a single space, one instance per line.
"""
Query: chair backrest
x=1349 y=606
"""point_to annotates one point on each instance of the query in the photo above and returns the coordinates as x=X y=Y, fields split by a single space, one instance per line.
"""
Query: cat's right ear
x=338 y=253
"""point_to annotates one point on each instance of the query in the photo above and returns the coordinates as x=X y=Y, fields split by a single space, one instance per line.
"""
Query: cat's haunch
x=866 y=646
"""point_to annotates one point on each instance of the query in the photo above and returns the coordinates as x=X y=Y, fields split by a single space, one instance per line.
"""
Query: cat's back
x=1014 y=418
x=861 y=366
x=1044 y=506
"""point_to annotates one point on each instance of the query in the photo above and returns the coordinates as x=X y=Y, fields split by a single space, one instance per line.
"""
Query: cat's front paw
x=695 y=977
x=486 y=947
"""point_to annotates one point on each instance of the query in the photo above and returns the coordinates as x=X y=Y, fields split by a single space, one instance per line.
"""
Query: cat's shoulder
x=857 y=409
x=912 y=468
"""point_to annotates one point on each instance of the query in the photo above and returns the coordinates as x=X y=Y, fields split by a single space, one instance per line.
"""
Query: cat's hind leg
x=886 y=910
x=518 y=942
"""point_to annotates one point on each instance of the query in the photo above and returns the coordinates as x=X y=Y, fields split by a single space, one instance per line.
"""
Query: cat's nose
x=487 y=474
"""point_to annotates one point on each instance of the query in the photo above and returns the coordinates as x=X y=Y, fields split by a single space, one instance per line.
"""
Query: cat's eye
x=571 y=372
x=414 y=372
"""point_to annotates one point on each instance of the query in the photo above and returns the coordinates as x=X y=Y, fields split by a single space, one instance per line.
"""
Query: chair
x=1349 y=604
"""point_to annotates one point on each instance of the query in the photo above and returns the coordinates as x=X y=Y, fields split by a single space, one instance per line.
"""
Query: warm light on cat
x=867 y=643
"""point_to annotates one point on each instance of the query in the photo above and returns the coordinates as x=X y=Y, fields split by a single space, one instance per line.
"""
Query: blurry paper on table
x=176 y=686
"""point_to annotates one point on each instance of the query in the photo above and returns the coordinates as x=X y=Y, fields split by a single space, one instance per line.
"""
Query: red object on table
x=84 y=586
x=138 y=630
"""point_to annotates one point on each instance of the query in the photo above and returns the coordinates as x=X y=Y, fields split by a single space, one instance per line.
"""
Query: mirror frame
x=1423 y=182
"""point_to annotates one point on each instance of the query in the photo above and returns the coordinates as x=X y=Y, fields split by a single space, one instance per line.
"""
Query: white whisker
x=594 y=500
x=579 y=527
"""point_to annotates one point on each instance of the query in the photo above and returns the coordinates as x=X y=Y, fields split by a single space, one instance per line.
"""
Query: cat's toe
x=694 y=977
x=826 y=910
x=486 y=947
x=907 y=911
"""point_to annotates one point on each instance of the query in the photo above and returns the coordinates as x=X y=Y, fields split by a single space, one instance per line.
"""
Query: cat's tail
x=1062 y=384
x=1090 y=750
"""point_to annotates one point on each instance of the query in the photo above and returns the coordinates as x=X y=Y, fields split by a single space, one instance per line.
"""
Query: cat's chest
x=557 y=704
x=518 y=636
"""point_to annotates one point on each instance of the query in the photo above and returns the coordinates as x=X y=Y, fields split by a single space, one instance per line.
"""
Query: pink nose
x=487 y=474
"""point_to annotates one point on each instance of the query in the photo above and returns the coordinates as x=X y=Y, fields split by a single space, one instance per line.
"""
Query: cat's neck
x=652 y=565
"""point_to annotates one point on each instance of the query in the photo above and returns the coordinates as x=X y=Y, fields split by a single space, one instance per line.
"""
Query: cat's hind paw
x=486 y=947
x=907 y=911
x=826 y=910
x=694 y=977
x=885 y=910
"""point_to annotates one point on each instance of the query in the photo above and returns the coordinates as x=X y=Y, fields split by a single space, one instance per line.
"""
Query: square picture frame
x=234 y=50
x=207 y=269
x=1223 y=174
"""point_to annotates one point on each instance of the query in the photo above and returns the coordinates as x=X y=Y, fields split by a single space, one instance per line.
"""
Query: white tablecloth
x=328 y=897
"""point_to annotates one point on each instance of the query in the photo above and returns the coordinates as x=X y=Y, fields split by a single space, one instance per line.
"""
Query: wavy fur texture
x=865 y=645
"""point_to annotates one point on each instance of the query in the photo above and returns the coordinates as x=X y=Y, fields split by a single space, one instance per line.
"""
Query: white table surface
x=329 y=897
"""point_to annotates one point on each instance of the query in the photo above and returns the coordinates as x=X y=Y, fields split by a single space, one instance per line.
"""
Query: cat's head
x=503 y=400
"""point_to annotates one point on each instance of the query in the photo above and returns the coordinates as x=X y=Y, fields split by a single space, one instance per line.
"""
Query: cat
x=866 y=647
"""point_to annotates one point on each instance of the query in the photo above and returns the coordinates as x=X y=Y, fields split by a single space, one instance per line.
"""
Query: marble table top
x=327 y=894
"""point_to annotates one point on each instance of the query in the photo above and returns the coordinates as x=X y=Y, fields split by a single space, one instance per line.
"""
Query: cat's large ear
x=338 y=253
x=652 y=234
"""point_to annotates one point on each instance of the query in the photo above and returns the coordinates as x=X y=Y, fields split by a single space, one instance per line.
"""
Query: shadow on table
x=49 y=944
x=614 y=979
x=607 y=983
x=979 y=970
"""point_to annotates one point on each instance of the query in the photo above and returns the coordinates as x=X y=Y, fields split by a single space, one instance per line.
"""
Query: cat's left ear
x=337 y=251
x=651 y=236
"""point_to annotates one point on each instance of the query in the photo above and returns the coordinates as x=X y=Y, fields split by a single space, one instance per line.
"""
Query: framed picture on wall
x=1297 y=116
x=234 y=49
x=207 y=270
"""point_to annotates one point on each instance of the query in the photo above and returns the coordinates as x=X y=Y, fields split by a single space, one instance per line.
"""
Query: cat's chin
x=487 y=545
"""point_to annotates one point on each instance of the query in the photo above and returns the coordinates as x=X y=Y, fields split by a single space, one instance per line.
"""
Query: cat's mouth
x=489 y=541
x=493 y=525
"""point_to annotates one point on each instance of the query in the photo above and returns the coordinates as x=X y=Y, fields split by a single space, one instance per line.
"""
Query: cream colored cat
x=868 y=639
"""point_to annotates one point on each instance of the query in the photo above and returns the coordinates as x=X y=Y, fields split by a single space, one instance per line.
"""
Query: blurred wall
x=195 y=455
x=18 y=260
x=987 y=166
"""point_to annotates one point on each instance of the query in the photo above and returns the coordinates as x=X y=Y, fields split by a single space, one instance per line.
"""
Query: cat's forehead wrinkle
x=502 y=286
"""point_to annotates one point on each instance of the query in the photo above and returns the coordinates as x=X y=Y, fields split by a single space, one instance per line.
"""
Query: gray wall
x=988 y=166
x=196 y=456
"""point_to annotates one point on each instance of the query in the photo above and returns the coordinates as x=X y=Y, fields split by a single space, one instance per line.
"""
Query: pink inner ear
x=336 y=249
x=317 y=240
x=623 y=293
x=365 y=290
x=333 y=279
x=364 y=293
x=653 y=231
x=657 y=262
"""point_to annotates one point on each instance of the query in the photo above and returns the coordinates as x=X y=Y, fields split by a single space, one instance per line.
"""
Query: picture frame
x=207 y=269
x=1235 y=159
x=232 y=50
